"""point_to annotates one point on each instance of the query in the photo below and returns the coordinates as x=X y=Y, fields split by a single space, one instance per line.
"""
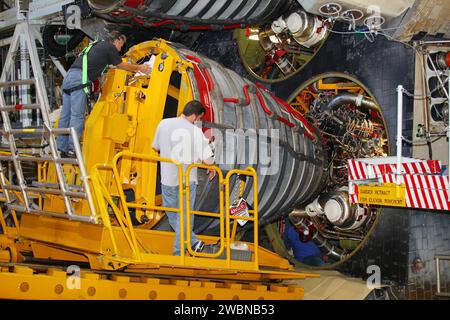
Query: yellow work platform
x=36 y=282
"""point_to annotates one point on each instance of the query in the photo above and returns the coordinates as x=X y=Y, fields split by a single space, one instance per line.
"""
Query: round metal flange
x=374 y=22
x=352 y=15
x=331 y=9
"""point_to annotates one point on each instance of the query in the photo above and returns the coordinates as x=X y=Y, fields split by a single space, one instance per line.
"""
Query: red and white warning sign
x=421 y=184
x=240 y=210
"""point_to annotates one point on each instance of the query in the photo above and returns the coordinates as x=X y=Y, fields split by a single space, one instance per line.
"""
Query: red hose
x=162 y=22
x=247 y=95
x=195 y=59
x=233 y=26
x=209 y=79
x=133 y=3
x=309 y=131
x=233 y=100
x=285 y=121
x=198 y=27
x=263 y=103
x=204 y=93
x=296 y=114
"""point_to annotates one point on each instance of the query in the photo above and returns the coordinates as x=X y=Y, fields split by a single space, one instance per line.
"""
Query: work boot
x=63 y=154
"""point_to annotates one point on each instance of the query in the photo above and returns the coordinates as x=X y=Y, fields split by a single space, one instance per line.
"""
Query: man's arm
x=132 y=67
x=206 y=154
x=155 y=144
x=209 y=161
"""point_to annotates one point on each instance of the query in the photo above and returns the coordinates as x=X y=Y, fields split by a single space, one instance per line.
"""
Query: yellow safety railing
x=219 y=215
x=124 y=218
x=104 y=198
x=250 y=172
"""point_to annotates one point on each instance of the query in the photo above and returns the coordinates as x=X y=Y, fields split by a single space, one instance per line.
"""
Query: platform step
x=36 y=130
x=59 y=192
x=72 y=187
x=72 y=161
x=19 y=107
x=17 y=83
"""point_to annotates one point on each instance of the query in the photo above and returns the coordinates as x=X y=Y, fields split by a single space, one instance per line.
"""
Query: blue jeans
x=170 y=200
x=73 y=109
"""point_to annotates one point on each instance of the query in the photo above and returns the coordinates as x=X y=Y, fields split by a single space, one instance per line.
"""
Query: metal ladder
x=61 y=188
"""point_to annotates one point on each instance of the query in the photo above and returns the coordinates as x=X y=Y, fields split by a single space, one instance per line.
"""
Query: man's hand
x=145 y=68
x=131 y=67
x=211 y=173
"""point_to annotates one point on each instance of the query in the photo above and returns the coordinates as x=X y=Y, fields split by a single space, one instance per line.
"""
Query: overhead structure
x=214 y=14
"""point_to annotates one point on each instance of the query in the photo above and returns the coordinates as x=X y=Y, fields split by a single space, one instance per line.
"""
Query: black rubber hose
x=53 y=47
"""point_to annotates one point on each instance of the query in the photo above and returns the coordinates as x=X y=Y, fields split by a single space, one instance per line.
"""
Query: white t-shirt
x=179 y=139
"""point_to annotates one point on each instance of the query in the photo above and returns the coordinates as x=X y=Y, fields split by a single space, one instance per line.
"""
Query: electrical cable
x=421 y=143
x=402 y=42
x=368 y=31
x=438 y=113
x=415 y=97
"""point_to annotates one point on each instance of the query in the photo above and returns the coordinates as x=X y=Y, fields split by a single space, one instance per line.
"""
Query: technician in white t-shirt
x=179 y=139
